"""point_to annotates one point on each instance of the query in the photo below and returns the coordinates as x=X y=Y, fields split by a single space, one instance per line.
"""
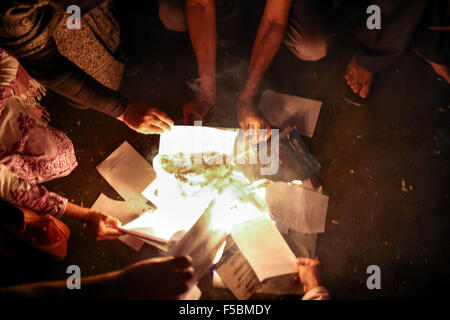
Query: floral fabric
x=31 y=152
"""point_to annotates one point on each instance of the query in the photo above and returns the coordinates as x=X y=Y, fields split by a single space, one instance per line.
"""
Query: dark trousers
x=379 y=48
x=307 y=35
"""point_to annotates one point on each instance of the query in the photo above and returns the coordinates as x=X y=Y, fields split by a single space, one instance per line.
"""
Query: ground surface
x=365 y=153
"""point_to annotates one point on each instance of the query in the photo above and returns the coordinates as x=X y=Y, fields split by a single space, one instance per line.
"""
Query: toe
x=364 y=92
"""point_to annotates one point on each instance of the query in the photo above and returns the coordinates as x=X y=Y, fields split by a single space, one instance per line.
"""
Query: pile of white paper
x=299 y=212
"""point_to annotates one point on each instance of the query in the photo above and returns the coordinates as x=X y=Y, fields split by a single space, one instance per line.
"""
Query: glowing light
x=219 y=253
x=183 y=191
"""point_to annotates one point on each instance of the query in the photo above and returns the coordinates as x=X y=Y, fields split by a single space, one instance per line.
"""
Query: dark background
x=365 y=153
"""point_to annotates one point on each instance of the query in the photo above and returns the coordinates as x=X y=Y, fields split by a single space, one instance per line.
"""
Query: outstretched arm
x=157 y=278
x=201 y=19
x=26 y=33
x=268 y=40
x=20 y=193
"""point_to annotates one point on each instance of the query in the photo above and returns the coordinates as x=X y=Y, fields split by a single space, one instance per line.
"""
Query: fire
x=185 y=188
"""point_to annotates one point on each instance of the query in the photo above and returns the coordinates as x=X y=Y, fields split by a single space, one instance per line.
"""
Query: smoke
x=231 y=75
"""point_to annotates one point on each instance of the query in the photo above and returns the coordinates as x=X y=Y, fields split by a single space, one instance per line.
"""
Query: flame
x=184 y=190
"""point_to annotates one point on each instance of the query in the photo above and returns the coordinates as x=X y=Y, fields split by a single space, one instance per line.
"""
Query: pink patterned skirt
x=31 y=151
x=28 y=146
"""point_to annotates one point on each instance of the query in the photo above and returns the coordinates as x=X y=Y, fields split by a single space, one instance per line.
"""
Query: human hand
x=308 y=273
x=145 y=119
x=158 y=278
x=103 y=226
x=197 y=108
x=250 y=118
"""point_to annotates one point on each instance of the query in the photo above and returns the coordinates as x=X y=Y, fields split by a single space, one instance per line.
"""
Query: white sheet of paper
x=203 y=242
x=127 y=172
x=235 y=273
x=303 y=245
x=302 y=209
x=196 y=140
x=171 y=218
x=150 y=223
x=125 y=211
x=283 y=110
x=264 y=248
x=133 y=242
x=146 y=224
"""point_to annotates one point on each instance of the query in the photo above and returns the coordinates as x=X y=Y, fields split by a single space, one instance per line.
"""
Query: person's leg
x=172 y=14
x=30 y=147
x=307 y=35
x=379 y=48
x=42 y=232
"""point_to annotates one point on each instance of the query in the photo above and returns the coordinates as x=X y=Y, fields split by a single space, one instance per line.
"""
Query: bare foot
x=358 y=79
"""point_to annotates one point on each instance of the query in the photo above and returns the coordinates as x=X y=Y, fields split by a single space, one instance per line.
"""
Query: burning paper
x=180 y=180
x=199 y=202
x=171 y=188
x=197 y=140
x=166 y=223
x=205 y=240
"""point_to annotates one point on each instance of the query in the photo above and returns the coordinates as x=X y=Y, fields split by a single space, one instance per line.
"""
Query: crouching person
x=32 y=152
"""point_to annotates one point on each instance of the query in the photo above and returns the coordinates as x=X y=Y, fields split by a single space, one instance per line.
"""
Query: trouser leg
x=307 y=35
x=172 y=14
x=379 y=48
